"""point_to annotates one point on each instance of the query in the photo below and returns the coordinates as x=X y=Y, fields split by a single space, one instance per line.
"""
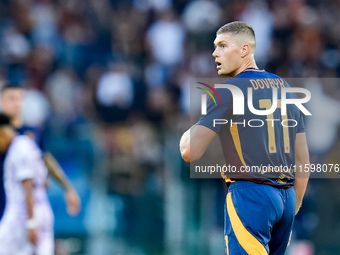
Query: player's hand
x=33 y=236
x=73 y=202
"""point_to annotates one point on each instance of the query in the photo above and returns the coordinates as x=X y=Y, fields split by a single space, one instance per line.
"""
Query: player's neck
x=16 y=122
x=245 y=66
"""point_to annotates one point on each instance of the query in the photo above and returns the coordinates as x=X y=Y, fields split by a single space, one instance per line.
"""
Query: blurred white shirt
x=166 y=40
x=115 y=89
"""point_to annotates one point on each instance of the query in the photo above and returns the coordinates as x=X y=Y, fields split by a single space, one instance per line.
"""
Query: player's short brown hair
x=238 y=28
x=4 y=120
x=7 y=86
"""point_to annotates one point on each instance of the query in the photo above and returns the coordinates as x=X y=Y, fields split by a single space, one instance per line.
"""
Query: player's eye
x=223 y=46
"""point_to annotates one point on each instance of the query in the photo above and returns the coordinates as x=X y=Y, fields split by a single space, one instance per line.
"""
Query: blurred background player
x=11 y=104
x=27 y=223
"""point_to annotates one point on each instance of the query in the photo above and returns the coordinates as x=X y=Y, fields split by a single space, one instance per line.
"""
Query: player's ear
x=245 y=50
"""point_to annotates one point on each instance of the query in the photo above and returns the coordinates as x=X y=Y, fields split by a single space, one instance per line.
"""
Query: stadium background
x=109 y=82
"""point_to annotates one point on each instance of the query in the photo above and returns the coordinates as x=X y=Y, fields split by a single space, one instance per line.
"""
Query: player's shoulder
x=22 y=143
x=250 y=73
x=32 y=132
x=273 y=76
x=253 y=73
x=279 y=78
x=253 y=76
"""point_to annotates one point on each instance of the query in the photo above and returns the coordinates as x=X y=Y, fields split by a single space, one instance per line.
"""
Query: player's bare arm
x=71 y=197
x=194 y=142
x=302 y=163
x=30 y=223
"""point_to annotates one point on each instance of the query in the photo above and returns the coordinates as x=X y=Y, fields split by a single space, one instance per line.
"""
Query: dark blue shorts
x=258 y=218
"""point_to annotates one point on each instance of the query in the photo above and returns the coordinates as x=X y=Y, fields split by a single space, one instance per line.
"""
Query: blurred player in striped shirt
x=11 y=104
x=27 y=223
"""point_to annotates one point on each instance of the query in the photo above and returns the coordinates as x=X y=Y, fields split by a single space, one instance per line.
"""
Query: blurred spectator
x=145 y=5
x=166 y=38
x=260 y=18
x=322 y=128
x=198 y=18
x=35 y=108
x=64 y=82
x=44 y=24
x=114 y=94
x=15 y=46
x=15 y=50
x=201 y=24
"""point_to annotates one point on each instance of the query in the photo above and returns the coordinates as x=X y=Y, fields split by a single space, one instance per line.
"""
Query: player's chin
x=221 y=72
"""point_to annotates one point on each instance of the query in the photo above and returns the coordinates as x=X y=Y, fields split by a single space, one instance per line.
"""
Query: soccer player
x=11 y=104
x=261 y=205
x=27 y=224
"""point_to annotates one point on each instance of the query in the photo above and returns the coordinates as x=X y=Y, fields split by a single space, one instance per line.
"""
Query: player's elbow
x=185 y=149
x=191 y=149
x=186 y=156
x=190 y=156
x=185 y=152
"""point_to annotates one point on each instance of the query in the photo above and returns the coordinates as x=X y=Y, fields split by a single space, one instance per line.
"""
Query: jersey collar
x=254 y=69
